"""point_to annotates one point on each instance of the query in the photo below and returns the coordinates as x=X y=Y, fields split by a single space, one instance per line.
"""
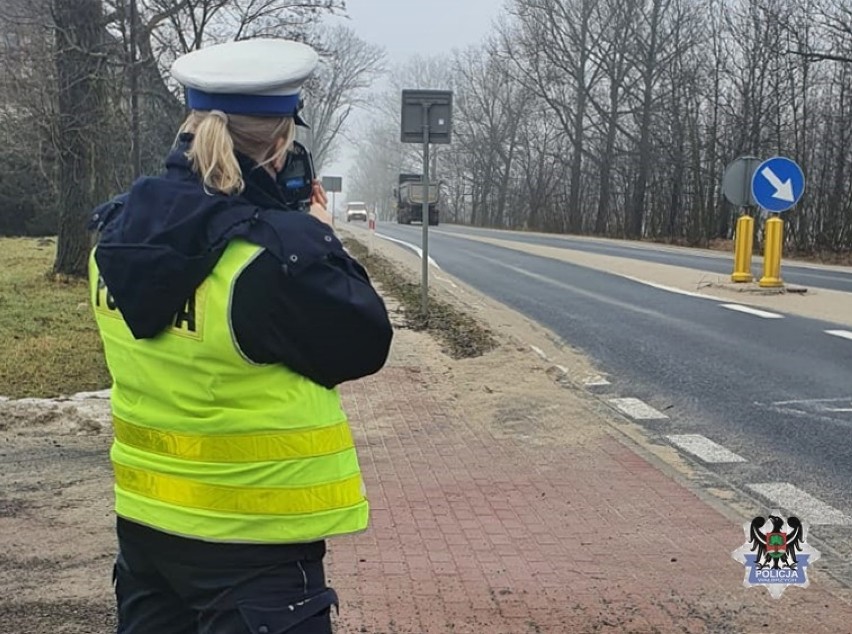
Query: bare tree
x=611 y=56
x=349 y=67
x=488 y=110
x=28 y=189
x=80 y=60
x=379 y=160
x=379 y=155
x=554 y=49
x=155 y=32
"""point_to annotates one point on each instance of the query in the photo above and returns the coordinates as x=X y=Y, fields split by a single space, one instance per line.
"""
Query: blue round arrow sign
x=778 y=184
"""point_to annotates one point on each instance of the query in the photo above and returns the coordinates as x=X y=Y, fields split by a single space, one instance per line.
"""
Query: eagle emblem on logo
x=775 y=554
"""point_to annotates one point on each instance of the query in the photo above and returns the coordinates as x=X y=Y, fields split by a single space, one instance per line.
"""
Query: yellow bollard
x=743 y=247
x=772 y=254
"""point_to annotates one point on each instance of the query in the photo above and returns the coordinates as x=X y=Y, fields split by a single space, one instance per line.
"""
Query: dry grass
x=461 y=335
x=49 y=344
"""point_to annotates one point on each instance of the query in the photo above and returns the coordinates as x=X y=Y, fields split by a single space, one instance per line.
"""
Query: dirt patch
x=57 y=526
x=462 y=336
x=57 y=617
x=11 y=508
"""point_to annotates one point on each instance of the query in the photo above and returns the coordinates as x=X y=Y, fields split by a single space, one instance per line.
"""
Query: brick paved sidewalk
x=473 y=533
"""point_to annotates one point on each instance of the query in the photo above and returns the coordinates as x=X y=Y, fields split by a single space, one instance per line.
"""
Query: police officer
x=228 y=321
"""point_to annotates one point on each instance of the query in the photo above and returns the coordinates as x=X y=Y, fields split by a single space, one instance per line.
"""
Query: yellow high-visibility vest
x=213 y=446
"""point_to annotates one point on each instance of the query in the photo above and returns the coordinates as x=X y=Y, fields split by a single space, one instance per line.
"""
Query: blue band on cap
x=281 y=105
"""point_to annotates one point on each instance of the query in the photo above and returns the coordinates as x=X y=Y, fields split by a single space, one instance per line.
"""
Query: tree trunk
x=643 y=169
x=78 y=38
x=607 y=161
x=581 y=93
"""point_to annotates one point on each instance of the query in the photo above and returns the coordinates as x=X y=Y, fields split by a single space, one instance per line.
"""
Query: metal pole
x=135 y=136
x=425 y=263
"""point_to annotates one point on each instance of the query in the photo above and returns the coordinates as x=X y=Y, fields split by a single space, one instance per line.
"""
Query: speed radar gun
x=297 y=177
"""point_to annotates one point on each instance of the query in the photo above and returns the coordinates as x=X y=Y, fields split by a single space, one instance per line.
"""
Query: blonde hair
x=217 y=136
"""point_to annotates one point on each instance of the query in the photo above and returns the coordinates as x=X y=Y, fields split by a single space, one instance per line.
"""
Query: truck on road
x=409 y=195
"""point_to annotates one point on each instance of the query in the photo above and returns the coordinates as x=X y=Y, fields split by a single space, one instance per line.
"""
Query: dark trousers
x=172 y=585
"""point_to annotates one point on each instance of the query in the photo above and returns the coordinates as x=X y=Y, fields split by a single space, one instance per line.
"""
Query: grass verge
x=49 y=343
x=462 y=336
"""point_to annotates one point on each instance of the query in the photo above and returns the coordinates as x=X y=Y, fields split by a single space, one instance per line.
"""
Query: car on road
x=356 y=211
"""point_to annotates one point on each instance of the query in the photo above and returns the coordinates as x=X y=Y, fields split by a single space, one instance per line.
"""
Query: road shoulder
x=816 y=303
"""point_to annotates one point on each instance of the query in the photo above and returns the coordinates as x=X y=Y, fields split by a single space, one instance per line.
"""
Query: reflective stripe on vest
x=237 y=447
x=232 y=499
x=212 y=446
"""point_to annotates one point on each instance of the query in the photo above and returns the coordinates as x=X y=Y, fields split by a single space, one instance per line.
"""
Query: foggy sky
x=405 y=28
x=424 y=27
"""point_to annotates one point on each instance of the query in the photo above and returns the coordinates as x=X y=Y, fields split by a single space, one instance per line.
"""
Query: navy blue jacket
x=304 y=302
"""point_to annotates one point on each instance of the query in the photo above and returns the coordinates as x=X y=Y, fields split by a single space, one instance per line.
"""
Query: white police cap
x=261 y=77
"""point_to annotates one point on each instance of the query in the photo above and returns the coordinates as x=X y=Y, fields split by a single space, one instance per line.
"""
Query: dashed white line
x=636 y=409
x=805 y=506
x=705 y=449
x=752 y=311
x=843 y=334
x=815 y=401
x=596 y=381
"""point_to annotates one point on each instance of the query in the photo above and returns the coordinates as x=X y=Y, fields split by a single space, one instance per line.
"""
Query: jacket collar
x=260 y=187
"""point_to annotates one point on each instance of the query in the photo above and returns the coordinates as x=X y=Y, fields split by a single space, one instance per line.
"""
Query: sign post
x=333 y=184
x=777 y=185
x=736 y=186
x=426 y=118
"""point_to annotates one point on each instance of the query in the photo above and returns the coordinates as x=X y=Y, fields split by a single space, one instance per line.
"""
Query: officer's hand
x=319 y=212
x=318 y=202
x=318 y=194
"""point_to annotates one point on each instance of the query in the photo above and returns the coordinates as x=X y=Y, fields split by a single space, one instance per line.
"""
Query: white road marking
x=705 y=449
x=844 y=334
x=576 y=290
x=826 y=409
x=596 y=381
x=448 y=281
x=805 y=506
x=413 y=247
x=539 y=352
x=670 y=289
x=752 y=311
x=804 y=401
x=637 y=409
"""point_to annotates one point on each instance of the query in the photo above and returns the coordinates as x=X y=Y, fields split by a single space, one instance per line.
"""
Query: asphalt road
x=714 y=263
x=777 y=392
